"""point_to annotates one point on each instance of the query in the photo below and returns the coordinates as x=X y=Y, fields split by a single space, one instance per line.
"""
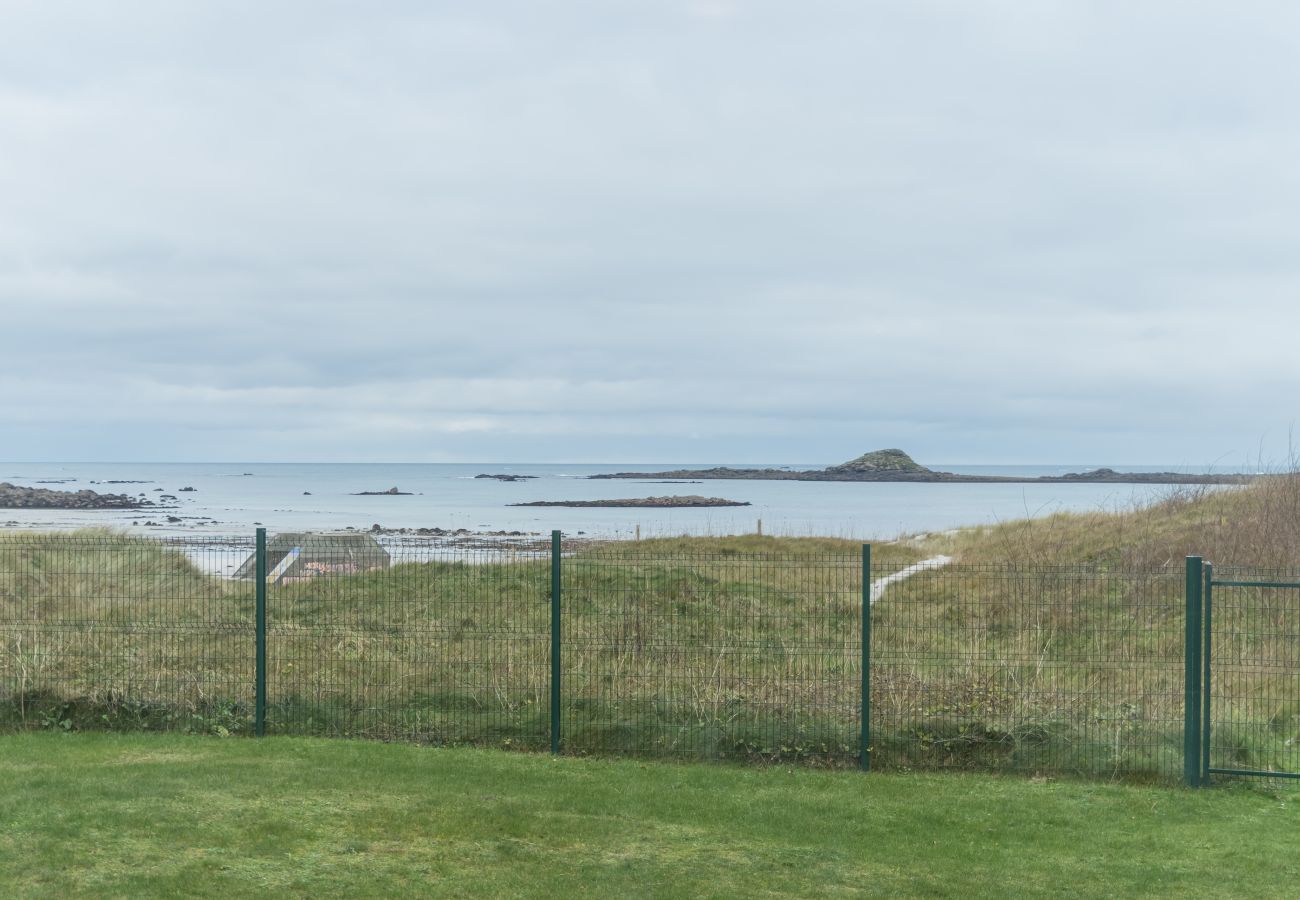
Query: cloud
x=708 y=230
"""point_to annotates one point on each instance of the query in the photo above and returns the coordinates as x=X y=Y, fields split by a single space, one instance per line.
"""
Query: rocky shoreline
x=691 y=501
x=14 y=496
x=443 y=532
x=896 y=466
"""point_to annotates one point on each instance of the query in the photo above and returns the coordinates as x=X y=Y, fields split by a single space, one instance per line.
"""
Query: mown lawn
x=150 y=815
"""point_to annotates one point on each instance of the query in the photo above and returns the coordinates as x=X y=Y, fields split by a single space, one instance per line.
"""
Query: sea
x=236 y=498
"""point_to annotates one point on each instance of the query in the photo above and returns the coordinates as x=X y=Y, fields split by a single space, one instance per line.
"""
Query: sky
x=661 y=231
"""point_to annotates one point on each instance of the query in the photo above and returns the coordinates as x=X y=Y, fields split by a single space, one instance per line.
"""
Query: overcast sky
x=671 y=230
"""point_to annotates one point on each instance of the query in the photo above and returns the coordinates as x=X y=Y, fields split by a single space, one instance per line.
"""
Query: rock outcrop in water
x=690 y=501
x=13 y=496
x=896 y=466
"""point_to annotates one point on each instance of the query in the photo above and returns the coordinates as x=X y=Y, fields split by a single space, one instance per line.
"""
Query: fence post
x=555 y=642
x=259 y=715
x=1207 y=598
x=1192 y=673
x=864 y=740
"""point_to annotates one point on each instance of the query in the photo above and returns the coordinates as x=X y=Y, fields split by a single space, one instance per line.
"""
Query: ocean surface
x=235 y=498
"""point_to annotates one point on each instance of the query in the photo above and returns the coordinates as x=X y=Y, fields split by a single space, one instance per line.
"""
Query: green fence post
x=259 y=721
x=1192 y=673
x=555 y=642
x=864 y=740
x=1207 y=626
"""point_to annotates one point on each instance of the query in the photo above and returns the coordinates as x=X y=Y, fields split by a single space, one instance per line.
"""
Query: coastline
x=318 y=497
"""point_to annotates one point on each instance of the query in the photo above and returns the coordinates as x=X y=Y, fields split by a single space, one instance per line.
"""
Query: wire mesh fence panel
x=118 y=632
x=1038 y=670
x=712 y=656
x=413 y=640
x=1254 y=684
x=667 y=650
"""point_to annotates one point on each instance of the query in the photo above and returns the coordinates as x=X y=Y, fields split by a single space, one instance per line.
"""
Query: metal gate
x=1243 y=714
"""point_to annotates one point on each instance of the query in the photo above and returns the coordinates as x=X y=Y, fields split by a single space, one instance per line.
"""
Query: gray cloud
x=648 y=231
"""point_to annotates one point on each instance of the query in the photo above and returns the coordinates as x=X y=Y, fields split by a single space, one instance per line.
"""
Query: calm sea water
x=233 y=498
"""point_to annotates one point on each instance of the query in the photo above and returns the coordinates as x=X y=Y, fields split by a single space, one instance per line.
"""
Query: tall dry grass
x=1253 y=525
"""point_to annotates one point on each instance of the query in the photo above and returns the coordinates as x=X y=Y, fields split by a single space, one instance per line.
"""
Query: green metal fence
x=651 y=650
x=121 y=633
x=1042 y=669
x=448 y=645
x=711 y=655
x=1250 y=695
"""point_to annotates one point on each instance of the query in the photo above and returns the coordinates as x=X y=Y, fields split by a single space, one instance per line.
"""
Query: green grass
x=154 y=815
x=1063 y=655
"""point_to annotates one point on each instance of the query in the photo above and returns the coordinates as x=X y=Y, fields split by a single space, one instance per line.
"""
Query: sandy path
x=878 y=586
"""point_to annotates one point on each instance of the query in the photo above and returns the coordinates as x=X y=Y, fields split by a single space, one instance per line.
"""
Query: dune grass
x=161 y=815
x=739 y=647
x=1256 y=525
x=1126 y=627
x=1050 y=646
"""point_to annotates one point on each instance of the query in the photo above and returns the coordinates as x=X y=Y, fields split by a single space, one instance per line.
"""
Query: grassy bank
x=741 y=648
x=1257 y=525
x=1052 y=645
x=151 y=816
x=1090 y=605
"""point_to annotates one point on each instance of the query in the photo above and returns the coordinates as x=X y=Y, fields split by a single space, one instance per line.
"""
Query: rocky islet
x=13 y=496
x=894 y=465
